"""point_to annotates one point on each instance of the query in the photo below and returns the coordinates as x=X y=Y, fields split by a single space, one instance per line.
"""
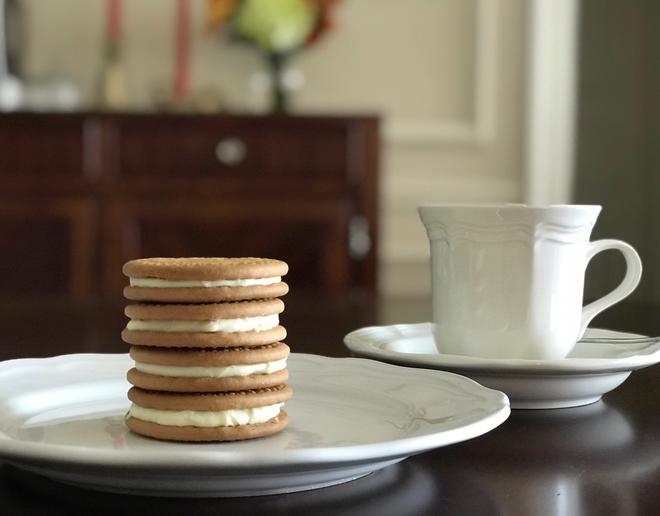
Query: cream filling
x=206 y=418
x=259 y=323
x=212 y=372
x=161 y=283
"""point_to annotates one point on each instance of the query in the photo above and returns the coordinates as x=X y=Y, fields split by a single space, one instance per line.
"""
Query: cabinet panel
x=311 y=237
x=41 y=146
x=244 y=147
x=47 y=247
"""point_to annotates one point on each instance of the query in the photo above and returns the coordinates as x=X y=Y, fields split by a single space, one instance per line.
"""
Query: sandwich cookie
x=242 y=324
x=208 y=417
x=209 y=370
x=204 y=280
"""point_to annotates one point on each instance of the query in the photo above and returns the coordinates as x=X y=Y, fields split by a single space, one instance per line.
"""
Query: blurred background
x=310 y=131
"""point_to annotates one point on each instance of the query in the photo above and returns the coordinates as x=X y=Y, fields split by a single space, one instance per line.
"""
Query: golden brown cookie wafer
x=206 y=384
x=209 y=357
x=199 y=434
x=210 y=401
x=203 y=340
x=208 y=269
x=205 y=294
x=204 y=312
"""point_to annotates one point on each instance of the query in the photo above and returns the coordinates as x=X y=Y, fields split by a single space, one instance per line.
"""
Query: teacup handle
x=627 y=285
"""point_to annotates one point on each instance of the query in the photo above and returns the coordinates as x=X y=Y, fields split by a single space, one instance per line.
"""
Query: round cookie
x=212 y=370
x=205 y=294
x=193 y=417
x=205 y=312
x=210 y=401
x=190 y=280
x=209 y=357
x=198 y=434
x=205 y=268
x=203 y=340
x=205 y=384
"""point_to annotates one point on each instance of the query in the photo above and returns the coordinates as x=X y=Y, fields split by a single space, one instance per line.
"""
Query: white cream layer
x=205 y=418
x=212 y=372
x=161 y=283
x=259 y=323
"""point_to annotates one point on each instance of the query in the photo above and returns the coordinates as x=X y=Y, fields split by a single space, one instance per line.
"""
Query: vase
x=279 y=103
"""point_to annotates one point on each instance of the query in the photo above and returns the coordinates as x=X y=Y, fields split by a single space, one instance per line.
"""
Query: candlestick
x=113 y=20
x=182 y=50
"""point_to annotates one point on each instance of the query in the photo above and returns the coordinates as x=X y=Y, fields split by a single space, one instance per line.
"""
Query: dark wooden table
x=602 y=459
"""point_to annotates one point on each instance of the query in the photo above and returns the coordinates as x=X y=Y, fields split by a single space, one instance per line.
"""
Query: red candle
x=113 y=20
x=182 y=50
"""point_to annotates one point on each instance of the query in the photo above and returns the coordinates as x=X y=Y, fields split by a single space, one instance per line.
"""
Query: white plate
x=63 y=417
x=583 y=377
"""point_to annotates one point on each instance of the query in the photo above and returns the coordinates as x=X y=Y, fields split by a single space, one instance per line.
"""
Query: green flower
x=276 y=26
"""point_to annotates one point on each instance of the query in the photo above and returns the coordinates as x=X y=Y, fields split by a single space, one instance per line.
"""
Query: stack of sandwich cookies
x=207 y=367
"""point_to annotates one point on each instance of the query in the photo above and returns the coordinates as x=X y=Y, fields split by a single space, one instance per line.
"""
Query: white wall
x=448 y=76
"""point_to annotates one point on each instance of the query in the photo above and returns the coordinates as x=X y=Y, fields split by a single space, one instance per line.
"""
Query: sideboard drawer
x=213 y=147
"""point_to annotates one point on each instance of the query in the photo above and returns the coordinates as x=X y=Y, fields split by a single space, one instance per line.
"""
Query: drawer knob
x=230 y=151
x=359 y=239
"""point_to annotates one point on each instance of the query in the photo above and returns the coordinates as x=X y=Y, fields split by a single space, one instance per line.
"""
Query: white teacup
x=508 y=280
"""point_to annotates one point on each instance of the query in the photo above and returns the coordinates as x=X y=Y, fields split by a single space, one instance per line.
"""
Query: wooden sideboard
x=82 y=193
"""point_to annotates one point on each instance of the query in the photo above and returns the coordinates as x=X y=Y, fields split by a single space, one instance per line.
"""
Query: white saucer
x=62 y=417
x=583 y=377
